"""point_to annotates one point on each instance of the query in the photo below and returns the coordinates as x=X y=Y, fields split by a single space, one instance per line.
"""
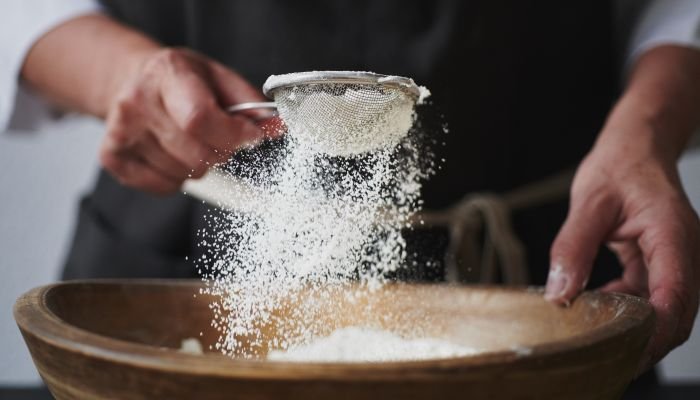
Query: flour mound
x=357 y=344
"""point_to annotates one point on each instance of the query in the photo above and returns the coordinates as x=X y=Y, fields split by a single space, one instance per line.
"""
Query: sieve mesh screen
x=344 y=119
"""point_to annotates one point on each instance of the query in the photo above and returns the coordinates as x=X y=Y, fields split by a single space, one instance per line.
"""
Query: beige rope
x=482 y=241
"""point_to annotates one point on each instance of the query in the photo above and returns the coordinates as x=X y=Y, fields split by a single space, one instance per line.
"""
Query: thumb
x=576 y=246
x=231 y=87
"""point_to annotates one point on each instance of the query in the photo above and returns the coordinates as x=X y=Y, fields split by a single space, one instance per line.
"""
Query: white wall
x=41 y=178
x=683 y=364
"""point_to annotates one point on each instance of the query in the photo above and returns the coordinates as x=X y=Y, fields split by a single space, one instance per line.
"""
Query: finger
x=191 y=104
x=670 y=285
x=634 y=278
x=576 y=246
x=151 y=152
x=196 y=156
x=130 y=171
x=124 y=127
x=231 y=88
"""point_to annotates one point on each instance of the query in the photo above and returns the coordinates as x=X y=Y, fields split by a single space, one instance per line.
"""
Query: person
x=525 y=87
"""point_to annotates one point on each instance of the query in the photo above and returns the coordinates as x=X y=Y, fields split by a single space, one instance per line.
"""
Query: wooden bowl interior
x=154 y=315
x=488 y=319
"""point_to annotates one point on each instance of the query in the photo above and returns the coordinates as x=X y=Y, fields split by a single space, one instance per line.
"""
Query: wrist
x=83 y=62
x=658 y=111
x=637 y=129
x=127 y=72
x=635 y=144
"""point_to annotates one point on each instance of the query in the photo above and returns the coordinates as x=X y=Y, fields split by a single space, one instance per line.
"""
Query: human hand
x=629 y=197
x=166 y=123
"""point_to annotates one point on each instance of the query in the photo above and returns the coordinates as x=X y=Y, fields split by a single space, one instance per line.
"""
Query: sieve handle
x=251 y=106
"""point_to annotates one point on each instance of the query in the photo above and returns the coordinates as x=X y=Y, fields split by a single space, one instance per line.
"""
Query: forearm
x=82 y=63
x=660 y=108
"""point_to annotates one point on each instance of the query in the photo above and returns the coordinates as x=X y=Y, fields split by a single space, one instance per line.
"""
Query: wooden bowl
x=119 y=340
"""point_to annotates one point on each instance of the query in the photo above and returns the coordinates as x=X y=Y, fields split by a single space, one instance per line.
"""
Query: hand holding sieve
x=334 y=112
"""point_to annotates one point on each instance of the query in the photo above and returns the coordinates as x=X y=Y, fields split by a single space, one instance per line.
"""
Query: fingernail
x=556 y=283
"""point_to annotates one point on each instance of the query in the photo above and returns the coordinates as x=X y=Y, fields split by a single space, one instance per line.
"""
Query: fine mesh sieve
x=341 y=112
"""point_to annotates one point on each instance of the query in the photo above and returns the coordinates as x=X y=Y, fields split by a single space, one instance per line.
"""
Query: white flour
x=356 y=344
x=318 y=222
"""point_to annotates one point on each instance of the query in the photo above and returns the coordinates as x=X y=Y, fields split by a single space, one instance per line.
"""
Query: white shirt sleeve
x=22 y=22
x=664 y=22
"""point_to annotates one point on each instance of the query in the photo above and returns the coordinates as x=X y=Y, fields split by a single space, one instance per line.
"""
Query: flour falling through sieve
x=318 y=220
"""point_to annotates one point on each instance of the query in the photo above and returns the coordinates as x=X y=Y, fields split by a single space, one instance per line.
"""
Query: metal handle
x=251 y=106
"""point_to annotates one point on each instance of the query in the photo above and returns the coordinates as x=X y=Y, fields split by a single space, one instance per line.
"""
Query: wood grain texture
x=118 y=340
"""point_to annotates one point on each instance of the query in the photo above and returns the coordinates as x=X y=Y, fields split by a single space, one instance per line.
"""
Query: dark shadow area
x=40 y=393
x=669 y=392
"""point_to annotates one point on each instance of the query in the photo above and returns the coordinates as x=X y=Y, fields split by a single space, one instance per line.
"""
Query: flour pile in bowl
x=317 y=222
x=357 y=344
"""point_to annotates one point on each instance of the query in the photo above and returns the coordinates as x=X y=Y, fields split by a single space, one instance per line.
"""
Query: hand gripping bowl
x=119 y=340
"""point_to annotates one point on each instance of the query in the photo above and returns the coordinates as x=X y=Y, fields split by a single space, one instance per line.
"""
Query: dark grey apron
x=523 y=84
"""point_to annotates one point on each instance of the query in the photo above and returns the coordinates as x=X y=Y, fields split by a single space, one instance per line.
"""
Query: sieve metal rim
x=276 y=82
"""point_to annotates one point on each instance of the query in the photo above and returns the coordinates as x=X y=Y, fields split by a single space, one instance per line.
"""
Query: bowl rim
x=34 y=317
